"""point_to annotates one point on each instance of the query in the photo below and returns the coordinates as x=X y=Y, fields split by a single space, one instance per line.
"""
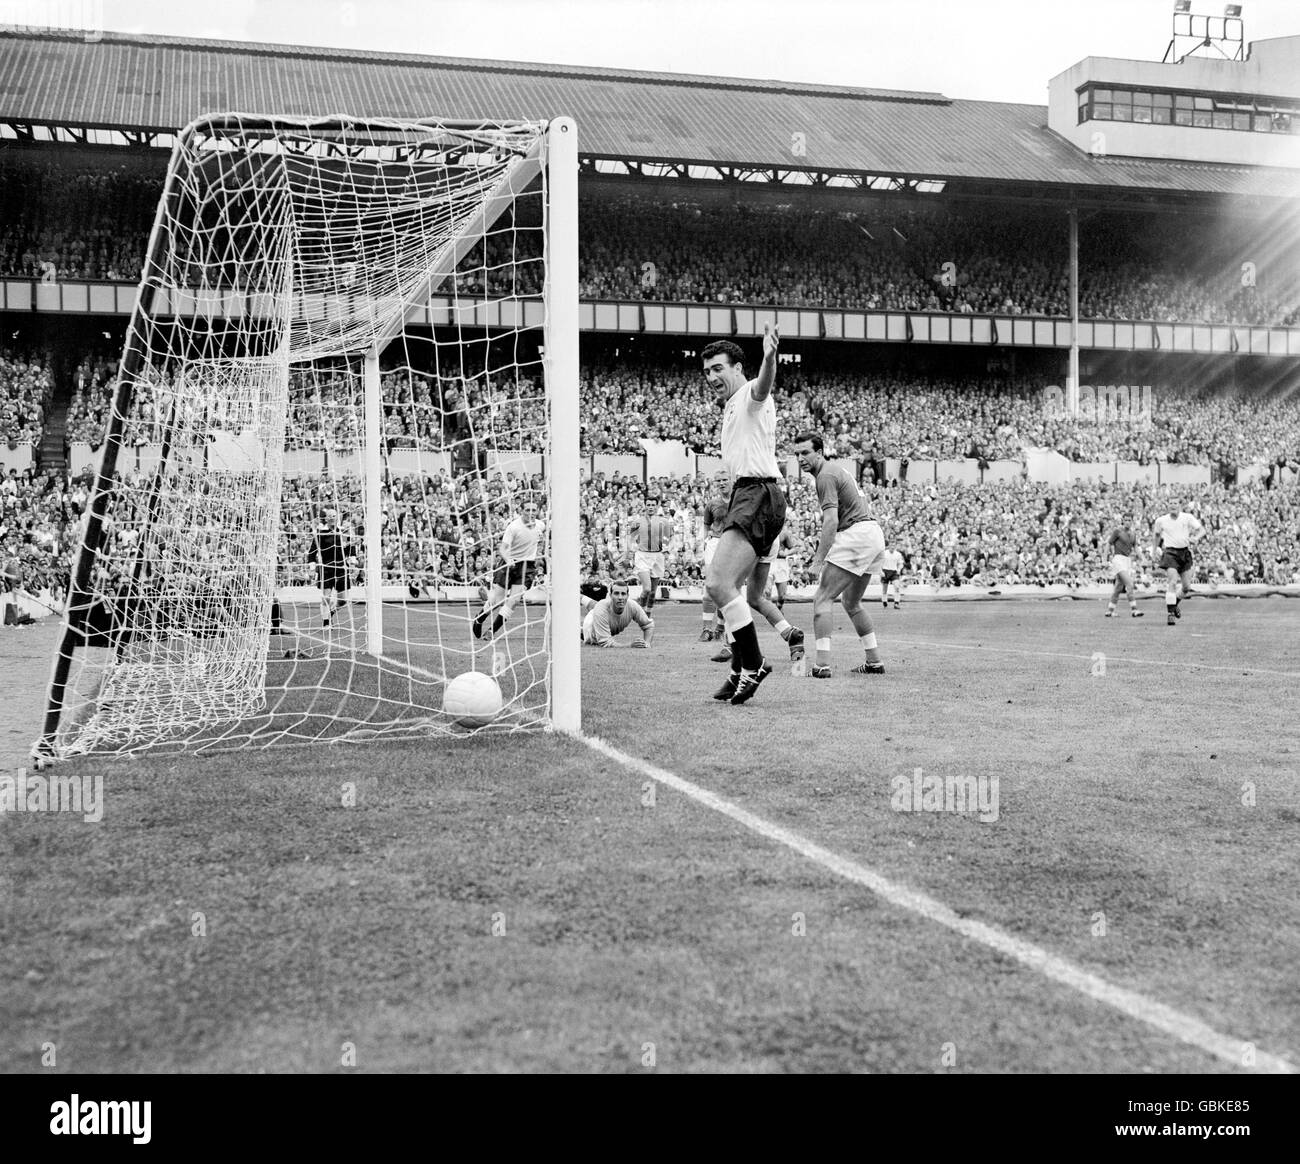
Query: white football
x=472 y=699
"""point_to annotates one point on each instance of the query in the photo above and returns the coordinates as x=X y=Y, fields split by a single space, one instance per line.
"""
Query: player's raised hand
x=771 y=341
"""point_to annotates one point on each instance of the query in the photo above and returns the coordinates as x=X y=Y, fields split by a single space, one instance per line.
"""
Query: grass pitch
x=522 y=902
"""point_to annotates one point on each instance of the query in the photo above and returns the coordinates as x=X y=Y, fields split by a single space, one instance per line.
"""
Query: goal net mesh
x=283 y=254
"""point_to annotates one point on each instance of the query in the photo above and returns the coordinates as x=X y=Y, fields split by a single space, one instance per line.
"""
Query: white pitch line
x=1088 y=658
x=1129 y=1002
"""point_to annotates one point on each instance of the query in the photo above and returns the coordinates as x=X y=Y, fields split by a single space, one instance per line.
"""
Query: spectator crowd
x=26 y=393
x=867 y=417
x=64 y=221
x=440 y=530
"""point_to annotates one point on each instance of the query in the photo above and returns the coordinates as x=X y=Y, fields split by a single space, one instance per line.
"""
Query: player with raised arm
x=756 y=509
x=612 y=615
x=1174 y=533
x=517 y=571
x=848 y=551
x=1120 y=543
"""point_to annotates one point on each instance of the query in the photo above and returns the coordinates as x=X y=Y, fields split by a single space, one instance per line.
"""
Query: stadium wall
x=18 y=457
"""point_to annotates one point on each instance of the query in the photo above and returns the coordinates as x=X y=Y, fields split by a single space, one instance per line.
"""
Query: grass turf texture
x=619 y=925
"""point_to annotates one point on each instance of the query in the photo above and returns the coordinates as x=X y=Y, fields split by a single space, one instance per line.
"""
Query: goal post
x=355 y=346
x=565 y=421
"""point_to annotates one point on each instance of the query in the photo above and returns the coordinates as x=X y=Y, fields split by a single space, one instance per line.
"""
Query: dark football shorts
x=1180 y=560
x=757 y=510
x=888 y=575
x=336 y=580
x=520 y=574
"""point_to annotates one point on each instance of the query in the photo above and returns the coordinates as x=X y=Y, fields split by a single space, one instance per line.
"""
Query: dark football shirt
x=1122 y=541
x=328 y=550
x=836 y=489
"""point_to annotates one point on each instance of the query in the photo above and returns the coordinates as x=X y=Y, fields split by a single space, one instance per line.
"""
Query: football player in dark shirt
x=1121 y=543
x=329 y=552
x=713 y=514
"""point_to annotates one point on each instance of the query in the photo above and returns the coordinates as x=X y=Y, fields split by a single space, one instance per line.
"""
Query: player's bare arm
x=766 y=378
x=830 y=523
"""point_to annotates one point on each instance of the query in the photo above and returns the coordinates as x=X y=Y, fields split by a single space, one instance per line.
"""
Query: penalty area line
x=1088 y=658
x=1155 y=1014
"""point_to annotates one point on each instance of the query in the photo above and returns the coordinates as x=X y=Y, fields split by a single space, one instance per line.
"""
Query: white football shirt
x=749 y=435
x=519 y=542
x=1175 y=533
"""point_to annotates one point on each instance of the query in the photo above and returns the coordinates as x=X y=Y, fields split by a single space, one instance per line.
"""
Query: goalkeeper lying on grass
x=612 y=616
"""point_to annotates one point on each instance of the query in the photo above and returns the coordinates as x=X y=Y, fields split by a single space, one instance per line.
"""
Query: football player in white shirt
x=1174 y=533
x=756 y=508
x=518 y=568
x=781 y=565
x=891 y=565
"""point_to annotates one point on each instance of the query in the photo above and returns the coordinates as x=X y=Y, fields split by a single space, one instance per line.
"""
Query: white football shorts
x=780 y=574
x=650 y=563
x=858 y=549
x=710 y=548
x=1120 y=564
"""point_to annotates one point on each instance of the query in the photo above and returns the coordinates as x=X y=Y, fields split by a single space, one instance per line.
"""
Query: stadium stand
x=75 y=222
x=868 y=416
x=994 y=244
x=26 y=389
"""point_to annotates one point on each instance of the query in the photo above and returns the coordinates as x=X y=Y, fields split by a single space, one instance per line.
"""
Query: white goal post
x=354 y=360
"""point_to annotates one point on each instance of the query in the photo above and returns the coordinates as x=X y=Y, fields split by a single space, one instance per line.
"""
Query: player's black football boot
x=748 y=684
x=820 y=672
x=706 y=636
x=1135 y=614
x=1170 y=620
x=728 y=689
x=868 y=669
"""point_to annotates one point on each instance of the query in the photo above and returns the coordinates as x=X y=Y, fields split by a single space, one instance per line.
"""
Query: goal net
x=341 y=467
